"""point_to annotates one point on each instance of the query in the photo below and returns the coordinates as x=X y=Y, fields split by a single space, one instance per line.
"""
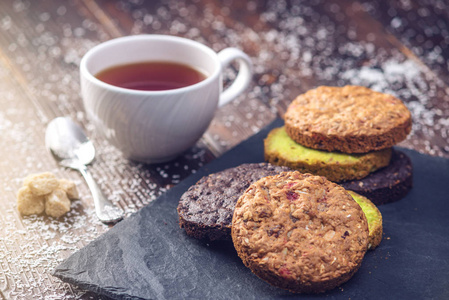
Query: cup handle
x=244 y=75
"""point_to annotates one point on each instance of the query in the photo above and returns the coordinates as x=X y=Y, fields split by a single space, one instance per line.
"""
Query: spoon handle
x=105 y=210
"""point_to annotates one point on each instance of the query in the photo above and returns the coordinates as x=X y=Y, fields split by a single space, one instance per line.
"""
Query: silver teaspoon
x=71 y=148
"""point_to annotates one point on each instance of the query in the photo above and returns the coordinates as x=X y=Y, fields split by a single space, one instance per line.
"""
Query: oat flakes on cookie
x=300 y=232
x=350 y=119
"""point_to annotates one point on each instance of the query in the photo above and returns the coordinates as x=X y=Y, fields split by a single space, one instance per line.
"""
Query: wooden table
x=400 y=47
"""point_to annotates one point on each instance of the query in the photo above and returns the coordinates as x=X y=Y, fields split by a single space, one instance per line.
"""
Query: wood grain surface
x=399 y=47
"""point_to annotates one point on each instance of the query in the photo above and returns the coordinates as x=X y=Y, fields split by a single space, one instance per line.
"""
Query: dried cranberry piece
x=285 y=272
x=292 y=195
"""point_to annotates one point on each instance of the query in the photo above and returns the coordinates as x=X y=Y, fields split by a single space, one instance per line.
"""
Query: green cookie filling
x=283 y=143
x=370 y=210
x=280 y=149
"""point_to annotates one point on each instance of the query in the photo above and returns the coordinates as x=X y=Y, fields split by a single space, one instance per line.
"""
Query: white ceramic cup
x=157 y=126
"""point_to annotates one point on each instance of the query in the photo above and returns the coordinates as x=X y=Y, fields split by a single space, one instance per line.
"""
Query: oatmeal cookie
x=300 y=232
x=386 y=185
x=350 y=119
x=205 y=210
x=281 y=150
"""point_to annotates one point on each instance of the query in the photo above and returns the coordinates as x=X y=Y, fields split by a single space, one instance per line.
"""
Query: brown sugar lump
x=43 y=192
x=300 y=232
x=350 y=119
x=205 y=210
x=69 y=187
x=280 y=149
x=42 y=183
x=57 y=203
x=28 y=203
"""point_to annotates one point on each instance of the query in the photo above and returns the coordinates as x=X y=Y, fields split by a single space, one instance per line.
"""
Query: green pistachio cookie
x=280 y=149
x=374 y=218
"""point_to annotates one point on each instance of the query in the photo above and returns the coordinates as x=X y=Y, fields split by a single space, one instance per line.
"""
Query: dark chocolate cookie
x=388 y=184
x=300 y=232
x=205 y=210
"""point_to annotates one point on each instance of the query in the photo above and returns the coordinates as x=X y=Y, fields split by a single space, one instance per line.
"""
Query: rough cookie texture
x=350 y=119
x=388 y=184
x=205 y=210
x=300 y=232
x=281 y=150
x=374 y=218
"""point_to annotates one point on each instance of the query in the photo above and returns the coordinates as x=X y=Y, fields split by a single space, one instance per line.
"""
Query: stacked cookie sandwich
x=299 y=231
x=346 y=134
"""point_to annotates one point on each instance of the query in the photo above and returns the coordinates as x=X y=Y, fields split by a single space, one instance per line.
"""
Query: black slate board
x=149 y=256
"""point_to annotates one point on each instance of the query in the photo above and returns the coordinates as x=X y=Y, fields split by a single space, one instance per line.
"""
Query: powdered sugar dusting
x=407 y=81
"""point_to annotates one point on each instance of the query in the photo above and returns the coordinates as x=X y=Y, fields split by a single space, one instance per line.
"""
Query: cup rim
x=84 y=72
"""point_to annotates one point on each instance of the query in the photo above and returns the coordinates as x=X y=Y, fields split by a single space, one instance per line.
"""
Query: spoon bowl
x=67 y=141
x=69 y=145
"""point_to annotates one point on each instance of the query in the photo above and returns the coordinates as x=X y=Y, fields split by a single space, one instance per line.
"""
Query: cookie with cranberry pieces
x=300 y=232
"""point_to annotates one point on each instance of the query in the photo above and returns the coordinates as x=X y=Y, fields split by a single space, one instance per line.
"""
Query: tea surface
x=151 y=76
